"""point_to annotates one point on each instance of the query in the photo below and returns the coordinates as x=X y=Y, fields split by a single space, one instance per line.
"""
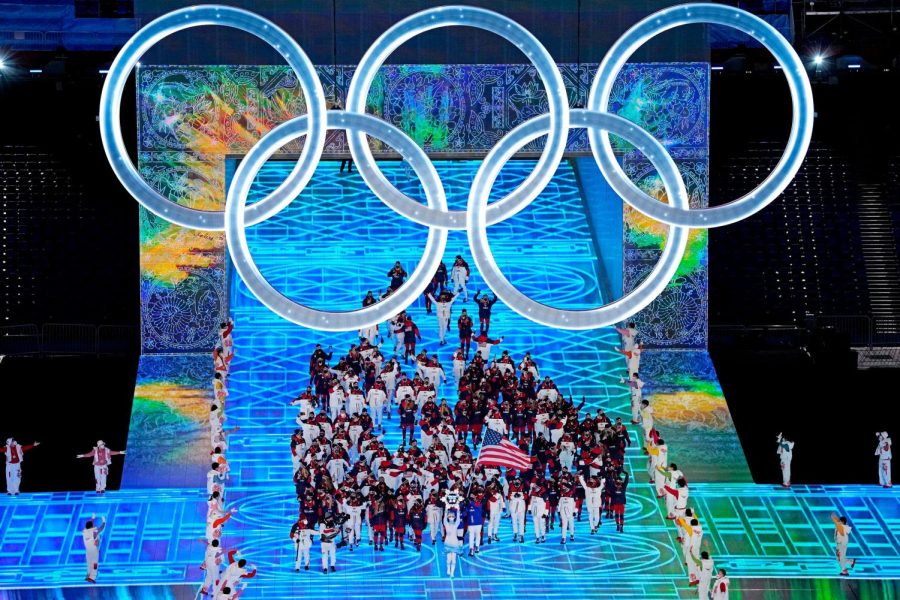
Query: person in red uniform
x=410 y=332
x=398 y=520
x=617 y=501
x=485 y=305
x=397 y=275
x=417 y=521
x=465 y=325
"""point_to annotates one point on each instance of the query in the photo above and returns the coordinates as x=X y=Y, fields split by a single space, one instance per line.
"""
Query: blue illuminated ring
x=635 y=300
x=506 y=28
x=801 y=121
x=236 y=235
x=178 y=20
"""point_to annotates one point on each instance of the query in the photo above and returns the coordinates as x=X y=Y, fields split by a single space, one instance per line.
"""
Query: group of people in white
x=785 y=451
x=15 y=455
x=669 y=482
x=226 y=572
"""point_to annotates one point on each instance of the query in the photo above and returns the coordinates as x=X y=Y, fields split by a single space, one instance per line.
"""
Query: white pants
x=327 y=551
x=377 y=413
x=670 y=505
x=355 y=405
x=494 y=521
x=443 y=326
x=786 y=472
x=594 y=503
x=884 y=471
x=335 y=404
x=537 y=516
x=703 y=588
x=647 y=425
x=13 y=477
x=517 y=512
x=475 y=536
x=660 y=481
x=302 y=555
x=212 y=574
x=92 y=553
x=100 y=474
x=354 y=527
x=567 y=516
x=459 y=367
x=635 y=407
x=842 y=556
x=693 y=553
x=634 y=366
x=458 y=277
x=434 y=522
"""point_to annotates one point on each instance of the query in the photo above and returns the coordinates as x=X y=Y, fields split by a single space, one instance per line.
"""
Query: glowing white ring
x=324 y=320
x=480 y=214
x=506 y=28
x=178 y=20
x=616 y=311
x=801 y=121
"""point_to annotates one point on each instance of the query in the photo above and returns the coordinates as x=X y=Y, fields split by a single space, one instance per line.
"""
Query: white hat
x=101 y=443
x=883 y=434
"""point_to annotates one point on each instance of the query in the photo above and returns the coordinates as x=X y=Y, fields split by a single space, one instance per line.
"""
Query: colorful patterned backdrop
x=671 y=101
x=190 y=118
x=168 y=438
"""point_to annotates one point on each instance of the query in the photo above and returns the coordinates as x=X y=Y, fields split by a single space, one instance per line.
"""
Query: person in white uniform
x=841 y=539
x=883 y=452
x=720 y=588
x=90 y=535
x=444 y=304
x=785 y=455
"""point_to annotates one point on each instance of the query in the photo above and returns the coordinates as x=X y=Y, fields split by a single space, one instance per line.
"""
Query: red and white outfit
x=629 y=337
x=14 y=453
x=634 y=359
x=102 y=457
x=720 y=588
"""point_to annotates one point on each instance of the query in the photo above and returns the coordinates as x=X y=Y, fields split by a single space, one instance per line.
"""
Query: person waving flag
x=497 y=451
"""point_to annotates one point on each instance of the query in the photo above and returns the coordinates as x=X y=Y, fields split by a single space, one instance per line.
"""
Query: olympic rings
x=178 y=20
x=616 y=311
x=801 y=120
x=479 y=214
x=236 y=235
x=506 y=28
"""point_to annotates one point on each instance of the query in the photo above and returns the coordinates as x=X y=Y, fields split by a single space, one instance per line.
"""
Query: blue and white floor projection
x=327 y=249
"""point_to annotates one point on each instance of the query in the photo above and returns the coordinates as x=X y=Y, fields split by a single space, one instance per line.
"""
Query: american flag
x=497 y=451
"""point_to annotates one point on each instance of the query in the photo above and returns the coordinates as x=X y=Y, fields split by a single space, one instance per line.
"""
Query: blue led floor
x=329 y=249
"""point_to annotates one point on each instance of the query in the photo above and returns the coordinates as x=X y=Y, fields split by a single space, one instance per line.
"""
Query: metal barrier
x=859 y=328
x=57 y=339
x=20 y=339
x=68 y=338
